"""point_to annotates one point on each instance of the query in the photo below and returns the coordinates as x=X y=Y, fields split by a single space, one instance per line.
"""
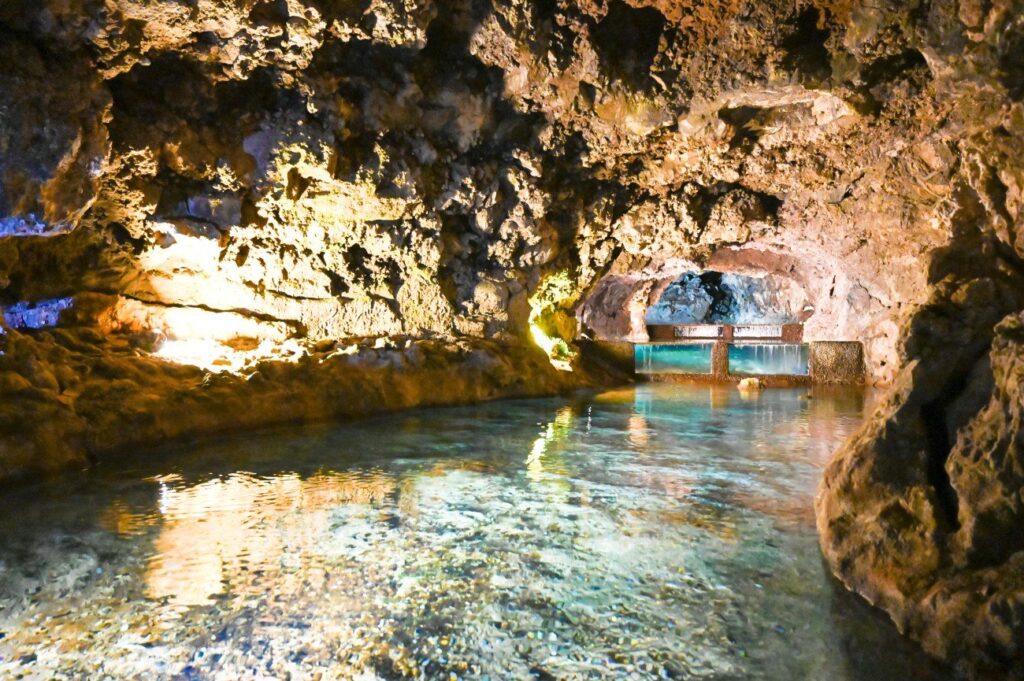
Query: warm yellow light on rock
x=556 y=349
x=556 y=431
x=554 y=292
x=216 y=533
x=216 y=357
x=211 y=340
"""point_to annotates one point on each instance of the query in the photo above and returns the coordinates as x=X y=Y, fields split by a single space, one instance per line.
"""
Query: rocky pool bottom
x=661 y=531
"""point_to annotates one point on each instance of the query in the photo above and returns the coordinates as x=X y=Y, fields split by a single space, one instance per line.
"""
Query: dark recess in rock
x=933 y=415
x=1011 y=61
x=805 y=51
x=626 y=40
x=880 y=75
x=743 y=121
x=269 y=12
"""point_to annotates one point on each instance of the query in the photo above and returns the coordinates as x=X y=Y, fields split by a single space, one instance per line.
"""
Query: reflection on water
x=657 y=532
x=544 y=455
x=214 y=533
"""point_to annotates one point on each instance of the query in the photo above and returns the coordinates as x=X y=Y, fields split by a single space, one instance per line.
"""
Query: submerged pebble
x=390 y=549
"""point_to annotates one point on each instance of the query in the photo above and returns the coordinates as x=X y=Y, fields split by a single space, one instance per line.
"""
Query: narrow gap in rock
x=805 y=48
x=939 y=444
x=1011 y=61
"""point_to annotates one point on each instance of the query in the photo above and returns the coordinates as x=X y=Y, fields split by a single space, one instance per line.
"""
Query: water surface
x=659 y=532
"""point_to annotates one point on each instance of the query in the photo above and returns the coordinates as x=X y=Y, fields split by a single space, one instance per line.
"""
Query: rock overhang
x=276 y=176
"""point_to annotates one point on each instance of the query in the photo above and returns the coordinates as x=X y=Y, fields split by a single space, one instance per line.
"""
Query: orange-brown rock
x=202 y=191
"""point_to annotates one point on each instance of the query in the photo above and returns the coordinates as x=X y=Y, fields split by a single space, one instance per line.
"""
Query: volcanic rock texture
x=248 y=211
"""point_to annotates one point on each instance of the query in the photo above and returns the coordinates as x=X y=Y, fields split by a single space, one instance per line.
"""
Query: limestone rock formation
x=232 y=208
x=53 y=138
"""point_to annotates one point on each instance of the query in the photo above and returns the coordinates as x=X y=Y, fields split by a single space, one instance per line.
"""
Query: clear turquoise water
x=658 y=532
x=769 y=359
x=672 y=358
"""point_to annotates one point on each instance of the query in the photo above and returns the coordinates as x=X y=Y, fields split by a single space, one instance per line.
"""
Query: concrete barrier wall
x=836 y=362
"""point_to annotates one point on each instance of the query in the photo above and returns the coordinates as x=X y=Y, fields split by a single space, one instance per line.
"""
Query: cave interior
x=219 y=217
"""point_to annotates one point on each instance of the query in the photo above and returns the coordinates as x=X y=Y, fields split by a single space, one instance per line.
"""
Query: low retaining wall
x=828 y=362
x=730 y=379
x=836 y=362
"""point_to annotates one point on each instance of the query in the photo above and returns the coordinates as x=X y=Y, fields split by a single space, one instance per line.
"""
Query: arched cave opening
x=622 y=307
x=711 y=297
x=713 y=324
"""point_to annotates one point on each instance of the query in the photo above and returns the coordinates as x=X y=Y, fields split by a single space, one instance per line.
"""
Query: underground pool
x=657 y=531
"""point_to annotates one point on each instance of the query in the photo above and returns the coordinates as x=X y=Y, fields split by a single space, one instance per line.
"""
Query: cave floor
x=656 y=531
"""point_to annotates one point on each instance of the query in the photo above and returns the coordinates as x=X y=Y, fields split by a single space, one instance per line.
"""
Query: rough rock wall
x=711 y=297
x=804 y=141
x=220 y=182
x=331 y=170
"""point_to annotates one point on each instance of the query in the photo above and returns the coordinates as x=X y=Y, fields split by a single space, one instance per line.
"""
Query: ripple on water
x=656 y=532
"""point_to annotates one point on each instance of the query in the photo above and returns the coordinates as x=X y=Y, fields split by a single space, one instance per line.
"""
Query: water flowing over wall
x=787 y=359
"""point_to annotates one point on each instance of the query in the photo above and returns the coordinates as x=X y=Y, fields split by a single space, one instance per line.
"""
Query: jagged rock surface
x=229 y=182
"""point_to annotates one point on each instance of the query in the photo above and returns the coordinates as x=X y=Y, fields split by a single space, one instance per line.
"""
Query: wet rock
x=53 y=138
x=240 y=185
x=914 y=511
x=749 y=385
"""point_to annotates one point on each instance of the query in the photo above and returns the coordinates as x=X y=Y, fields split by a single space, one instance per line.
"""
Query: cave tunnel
x=722 y=326
x=623 y=307
x=512 y=339
x=723 y=298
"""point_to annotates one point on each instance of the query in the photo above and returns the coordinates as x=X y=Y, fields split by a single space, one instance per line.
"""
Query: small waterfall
x=768 y=359
x=643 y=359
x=673 y=358
x=758 y=359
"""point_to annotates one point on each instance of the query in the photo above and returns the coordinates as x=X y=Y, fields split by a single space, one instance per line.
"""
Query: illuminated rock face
x=221 y=182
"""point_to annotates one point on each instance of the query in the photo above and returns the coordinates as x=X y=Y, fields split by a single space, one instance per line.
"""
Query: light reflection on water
x=215 y=532
x=656 y=532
